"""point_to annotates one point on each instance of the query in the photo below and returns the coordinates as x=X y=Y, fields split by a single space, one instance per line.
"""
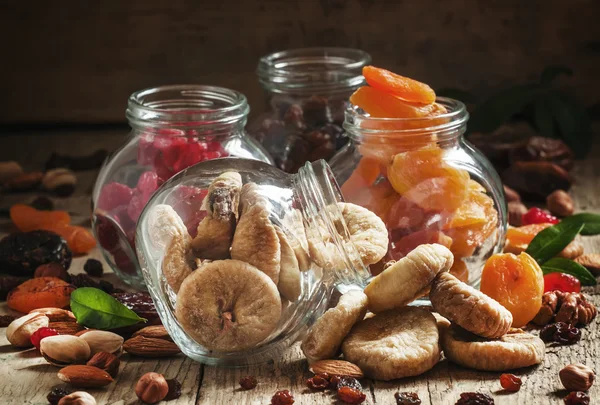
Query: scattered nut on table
x=77 y=398
x=152 y=388
x=560 y=203
x=577 y=377
x=20 y=330
x=105 y=361
x=9 y=170
x=61 y=350
x=60 y=181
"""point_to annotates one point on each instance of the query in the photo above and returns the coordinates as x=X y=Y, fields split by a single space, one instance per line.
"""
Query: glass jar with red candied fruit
x=172 y=128
x=307 y=91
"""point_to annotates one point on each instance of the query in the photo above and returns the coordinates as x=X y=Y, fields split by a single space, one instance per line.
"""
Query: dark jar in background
x=172 y=128
x=307 y=92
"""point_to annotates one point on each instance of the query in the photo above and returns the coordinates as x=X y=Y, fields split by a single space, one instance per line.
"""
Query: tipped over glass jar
x=269 y=252
x=426 y=183
x=172 y=128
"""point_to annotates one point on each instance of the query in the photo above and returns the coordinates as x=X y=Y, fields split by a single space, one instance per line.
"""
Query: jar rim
x=313 y=70
x=443 y=125
x=185 y=105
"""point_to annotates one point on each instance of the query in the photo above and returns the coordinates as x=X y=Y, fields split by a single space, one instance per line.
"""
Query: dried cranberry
x=562 y=282
x=93 y=267
x=474 y=398
x=338 y=382
x=538 y=216
x=510 y=382
x=147 y=184
x=6 y=320
x=113 y=195
x=174 y=389
x=561 y=333
x=38 y=335
x=577 y=398
x=351 y=395
x=56 y=395
x=407 y=398
x=248 y=382
x=282 y=398
x=317 y=382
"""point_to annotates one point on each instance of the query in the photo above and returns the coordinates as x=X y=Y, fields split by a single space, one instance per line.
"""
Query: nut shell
x=560 y=203
x=577 y=377
x=20 y=330
x=152 y=388
x=103 y=341
x=61 y=350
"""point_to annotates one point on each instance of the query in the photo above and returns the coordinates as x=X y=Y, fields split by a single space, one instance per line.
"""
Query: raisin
x=23 y=252
x=93 y=267
x=282 y=398
x=510 y=382
x=407 y=398
x=42 y=203
x=474 y=398
x=248 y=382
x=351 y=395
x=338 y=382
x=577 y=398
x=317 y=382
x=561 y=333
x=5 y=320
x=56 y=394
x=174 y=389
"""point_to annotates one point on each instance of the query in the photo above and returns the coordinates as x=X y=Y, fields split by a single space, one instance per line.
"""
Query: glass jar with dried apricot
x=408 y=162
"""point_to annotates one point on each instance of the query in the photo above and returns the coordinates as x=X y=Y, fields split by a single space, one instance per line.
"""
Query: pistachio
x=20 y=330
x=60 y=181
x=103 y=341
x=62 y=350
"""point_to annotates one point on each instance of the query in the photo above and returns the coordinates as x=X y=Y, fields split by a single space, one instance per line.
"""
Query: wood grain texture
x=27 y=379
x=73 y=61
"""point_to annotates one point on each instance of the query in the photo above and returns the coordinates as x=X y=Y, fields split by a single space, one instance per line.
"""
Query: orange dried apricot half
x=378 y=198
x=516 y=282
x=460 y=270
x=518 y=239
x=380 y=104
x=364 y=175
x=401 y=247
x=27 y=218
x=399 y=86
x=41 y=292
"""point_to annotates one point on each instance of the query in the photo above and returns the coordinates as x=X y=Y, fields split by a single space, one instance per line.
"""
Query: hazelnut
x=511 y=195
x=77 y=398
x=20 y=330
x=103 y=341
x=560 y=203
x=62 y=350
x=577 y=377
x=152 y=388
x=9 y=170
x=51 y=270
x=60 y=181
x=105 y=361
x=516 y=209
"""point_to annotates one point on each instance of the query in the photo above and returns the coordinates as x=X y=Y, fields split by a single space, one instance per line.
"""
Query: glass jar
x=427 y=184
x=307 y=92
x=303 y=206
x=172 y=128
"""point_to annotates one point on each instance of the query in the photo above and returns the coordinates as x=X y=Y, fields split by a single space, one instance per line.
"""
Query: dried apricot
x=404 y=245
x=364 y=175
x=399 y=86
x=477 y=209
x=517 y=282
x=460 y=270
x=41 y=292
x=380 y=104
x=378 y=198
x=79 y=239
x=27 y=218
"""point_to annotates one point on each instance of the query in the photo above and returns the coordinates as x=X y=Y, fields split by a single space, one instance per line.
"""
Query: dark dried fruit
x=541 y=149
x=42 y=203
x=497 y=146
x=89 y=162
x=93 y=267
x=23 y=252
x=318 y=382
x=282 y=398
x=561 y=333
x=338 y=382
x=536 y=180
x=248 y=382
x=510 y=382
x=474 y=398
x=174 y=389
x=141 y=304
x=407 y=398
x=7 y=283
x=351 y=395
x=51 y=270
x=5 y=320
x=577 y=398
x=56 y=394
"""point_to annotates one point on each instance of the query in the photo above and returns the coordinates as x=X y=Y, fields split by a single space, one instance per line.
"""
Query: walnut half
x=571 y=308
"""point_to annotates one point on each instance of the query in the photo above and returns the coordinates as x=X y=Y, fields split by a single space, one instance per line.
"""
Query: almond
x=107 y=362
x=66 y=328
x=150 y=347
x=572 y=251
x=590 y=261
x=154 y=331
x=84 y=376
x=336 y=367
x=56 y=314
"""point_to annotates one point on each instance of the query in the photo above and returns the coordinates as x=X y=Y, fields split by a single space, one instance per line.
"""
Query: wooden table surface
x=25 y=378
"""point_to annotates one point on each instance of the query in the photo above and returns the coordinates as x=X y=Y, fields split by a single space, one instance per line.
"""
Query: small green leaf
x=560 y=265
x=542 y=118
x=553 y=71
x=549 y=242
x=96 y=309
x=590 y=221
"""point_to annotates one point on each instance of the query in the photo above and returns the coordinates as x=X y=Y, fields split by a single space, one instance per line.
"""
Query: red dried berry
x=38 y=335
x=474 y=398
x=248 y=383
x=510 y=382
x=114 y=194
x=317 y=382
x=577 y=398
x=561 y=282
x=407 y=398
x=538 y=216
x=351 y=395
x=282 y=398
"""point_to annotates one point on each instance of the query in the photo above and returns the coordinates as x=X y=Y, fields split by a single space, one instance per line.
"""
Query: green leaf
x=549 y=242
x=573 y=122
x=553 y=71
x=542 y=118
x=560 y=265
x=590 y=221
x=498 y=109
x=457 y=94
x=96 y=309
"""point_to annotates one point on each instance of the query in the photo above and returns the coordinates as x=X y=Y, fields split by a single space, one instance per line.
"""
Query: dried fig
x=289 y=275
x=537 y=179
x=541 y=149
x=215 y=231
x=293 y=222
x=228 y=305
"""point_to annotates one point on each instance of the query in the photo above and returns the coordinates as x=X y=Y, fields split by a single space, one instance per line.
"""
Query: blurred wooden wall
x=74 y=61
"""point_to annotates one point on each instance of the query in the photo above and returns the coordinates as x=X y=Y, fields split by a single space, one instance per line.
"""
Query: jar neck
x=317 y=194
x=193 y=110
x=446 y=127
x=313 y=71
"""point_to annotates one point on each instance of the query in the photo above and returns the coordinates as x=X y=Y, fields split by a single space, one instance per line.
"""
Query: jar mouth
x=360 y=125
x=313 y=70
x=186 y=105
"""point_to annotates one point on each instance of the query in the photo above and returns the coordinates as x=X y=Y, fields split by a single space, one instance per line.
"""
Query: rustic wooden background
x=74 y=61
